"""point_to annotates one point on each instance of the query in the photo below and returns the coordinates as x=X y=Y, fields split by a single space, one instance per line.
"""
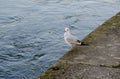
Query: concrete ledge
x=99 y=60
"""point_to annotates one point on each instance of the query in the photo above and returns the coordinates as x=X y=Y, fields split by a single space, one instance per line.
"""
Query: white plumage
x=70 y=39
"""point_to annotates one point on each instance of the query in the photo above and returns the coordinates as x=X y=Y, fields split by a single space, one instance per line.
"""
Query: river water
x=31 y=31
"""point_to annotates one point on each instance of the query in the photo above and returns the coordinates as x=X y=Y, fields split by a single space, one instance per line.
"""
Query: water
x=31 y=31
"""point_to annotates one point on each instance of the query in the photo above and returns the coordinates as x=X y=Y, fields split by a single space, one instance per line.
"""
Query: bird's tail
x=83 y=43
x=79 y=42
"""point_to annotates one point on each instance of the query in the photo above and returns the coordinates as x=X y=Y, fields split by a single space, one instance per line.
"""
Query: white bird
x=70 y=39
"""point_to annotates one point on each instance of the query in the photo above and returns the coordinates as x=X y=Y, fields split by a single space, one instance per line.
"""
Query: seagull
x=70 y=39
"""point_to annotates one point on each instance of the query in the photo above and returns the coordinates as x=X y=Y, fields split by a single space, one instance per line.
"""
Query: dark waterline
x=31 y=31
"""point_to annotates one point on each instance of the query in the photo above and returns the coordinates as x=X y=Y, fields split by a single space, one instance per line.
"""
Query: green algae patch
x=55 y=71
x=104 y=29
x=112 y=66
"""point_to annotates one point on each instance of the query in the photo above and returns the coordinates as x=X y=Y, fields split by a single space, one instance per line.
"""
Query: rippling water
x=31 y=31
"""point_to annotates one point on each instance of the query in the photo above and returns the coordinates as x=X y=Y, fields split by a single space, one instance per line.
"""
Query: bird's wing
x=71 y=40
x=74 y=39
x=72 y=36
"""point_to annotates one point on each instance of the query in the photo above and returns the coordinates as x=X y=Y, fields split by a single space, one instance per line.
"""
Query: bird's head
x=67 y=29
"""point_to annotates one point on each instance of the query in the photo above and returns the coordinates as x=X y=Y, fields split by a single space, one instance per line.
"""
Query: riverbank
x=100 y=59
